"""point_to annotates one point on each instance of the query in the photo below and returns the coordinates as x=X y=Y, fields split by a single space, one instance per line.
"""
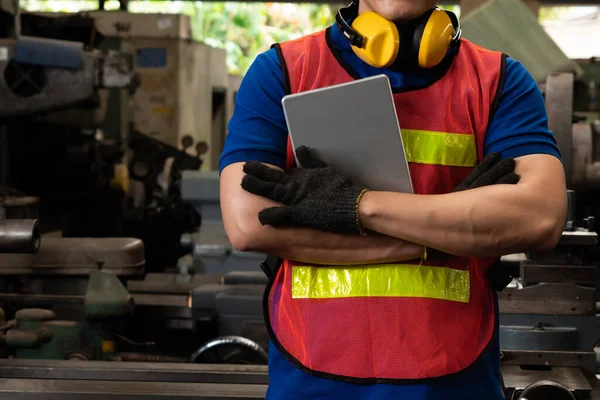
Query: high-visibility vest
x=407 y=321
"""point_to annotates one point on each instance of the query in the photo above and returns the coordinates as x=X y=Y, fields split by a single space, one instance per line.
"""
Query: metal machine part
x=539 y=337
x=41 y=74
x=160 y=216
x=548 y=324
x=237 y=309
x=117 y=71
x=516 y=379
x=34 y=86
x=237 y=350
x=19 y=236
x=77 y=256
x=71 y=380
x=20 y=207
x=106 y=298
x=213 y=252
x=37 y=333
x=559 y=105
x=545 y=390
x=579 y=142
x=51 y=389
x=570 y=223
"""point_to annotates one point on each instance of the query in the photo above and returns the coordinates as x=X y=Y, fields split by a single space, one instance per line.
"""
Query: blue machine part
x=151 y=58
x=49 y=52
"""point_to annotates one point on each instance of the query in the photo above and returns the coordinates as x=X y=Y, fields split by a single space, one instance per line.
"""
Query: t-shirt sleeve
x=519 y=126
x=257 y=131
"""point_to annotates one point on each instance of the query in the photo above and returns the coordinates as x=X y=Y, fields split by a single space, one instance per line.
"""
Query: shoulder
x=302 y=46
x=311 y=38
x=265 y=65
x=475 y=52
x=482 y=66
x=264 y=78
x=520 y=88
x=257 y=128
x=519 y=125
x=518 y=77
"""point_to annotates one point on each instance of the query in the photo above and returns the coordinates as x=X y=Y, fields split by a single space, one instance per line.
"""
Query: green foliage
x=243 y=29
x=246 y=29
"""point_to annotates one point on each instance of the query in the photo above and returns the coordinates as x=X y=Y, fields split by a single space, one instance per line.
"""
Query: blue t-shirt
x=257 y=131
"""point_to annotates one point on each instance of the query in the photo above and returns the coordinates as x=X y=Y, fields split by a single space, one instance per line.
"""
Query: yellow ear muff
x=436 y=39
x=381 y=40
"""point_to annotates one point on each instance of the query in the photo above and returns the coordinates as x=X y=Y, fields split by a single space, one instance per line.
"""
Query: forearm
x=240 y=215
x=319 y=247
x=488 y=221
x=308 y=245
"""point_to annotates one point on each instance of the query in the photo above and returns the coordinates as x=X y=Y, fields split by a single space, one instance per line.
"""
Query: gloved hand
x=490 y=171
x=321 y=197
x=316 y=196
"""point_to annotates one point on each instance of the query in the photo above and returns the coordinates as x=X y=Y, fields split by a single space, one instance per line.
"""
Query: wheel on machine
x=545 y=390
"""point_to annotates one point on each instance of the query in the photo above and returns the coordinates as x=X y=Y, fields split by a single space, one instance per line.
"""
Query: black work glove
x=315 y=195
x=490 y=171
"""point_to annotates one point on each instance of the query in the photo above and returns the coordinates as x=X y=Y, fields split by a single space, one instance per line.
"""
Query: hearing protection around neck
x=377 y=41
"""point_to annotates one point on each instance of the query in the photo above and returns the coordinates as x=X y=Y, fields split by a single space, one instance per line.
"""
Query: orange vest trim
x=400 y=322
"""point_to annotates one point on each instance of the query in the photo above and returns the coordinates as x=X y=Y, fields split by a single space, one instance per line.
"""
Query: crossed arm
x=240 y=215
x=488 y=221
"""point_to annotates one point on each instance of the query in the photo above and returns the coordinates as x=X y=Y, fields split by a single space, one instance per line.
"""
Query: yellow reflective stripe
x=427 y=147
x=382 y=280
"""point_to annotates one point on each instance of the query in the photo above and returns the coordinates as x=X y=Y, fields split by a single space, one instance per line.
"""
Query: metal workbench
x=88 y=380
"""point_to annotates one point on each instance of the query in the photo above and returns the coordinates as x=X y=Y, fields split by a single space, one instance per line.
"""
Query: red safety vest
x=406 y=321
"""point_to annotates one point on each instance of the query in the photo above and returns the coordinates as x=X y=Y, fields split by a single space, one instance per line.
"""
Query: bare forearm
x=315 y=246
x=240 y=216
x=488 y=221
x=326 y=248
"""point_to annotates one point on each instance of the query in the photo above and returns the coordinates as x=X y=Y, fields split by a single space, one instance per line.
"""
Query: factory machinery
x=98 y=293
x=117 y=277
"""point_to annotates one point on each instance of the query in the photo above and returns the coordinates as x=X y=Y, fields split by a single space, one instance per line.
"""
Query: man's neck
x=363 y=7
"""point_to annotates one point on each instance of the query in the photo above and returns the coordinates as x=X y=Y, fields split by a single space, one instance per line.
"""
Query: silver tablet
x=354 y=127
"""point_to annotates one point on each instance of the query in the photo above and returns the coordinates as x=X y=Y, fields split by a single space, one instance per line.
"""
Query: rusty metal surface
x=559 y=105
x=548 y=298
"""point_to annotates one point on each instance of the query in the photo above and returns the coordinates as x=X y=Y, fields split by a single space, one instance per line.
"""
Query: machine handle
x=20 y=236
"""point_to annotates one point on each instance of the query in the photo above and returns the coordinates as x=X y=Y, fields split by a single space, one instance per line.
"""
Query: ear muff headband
x=355 y=38
x=377 y=41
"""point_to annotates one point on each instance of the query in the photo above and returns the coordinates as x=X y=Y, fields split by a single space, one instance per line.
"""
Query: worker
x=384 y=295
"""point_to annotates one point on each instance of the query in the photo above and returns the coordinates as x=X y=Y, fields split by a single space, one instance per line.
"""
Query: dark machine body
x=94 y=272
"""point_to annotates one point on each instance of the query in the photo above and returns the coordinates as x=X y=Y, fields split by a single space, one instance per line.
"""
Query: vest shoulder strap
x=293 y=57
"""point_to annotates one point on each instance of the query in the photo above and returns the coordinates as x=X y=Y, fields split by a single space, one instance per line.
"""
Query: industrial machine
x=97 y=286
x=548 y=316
